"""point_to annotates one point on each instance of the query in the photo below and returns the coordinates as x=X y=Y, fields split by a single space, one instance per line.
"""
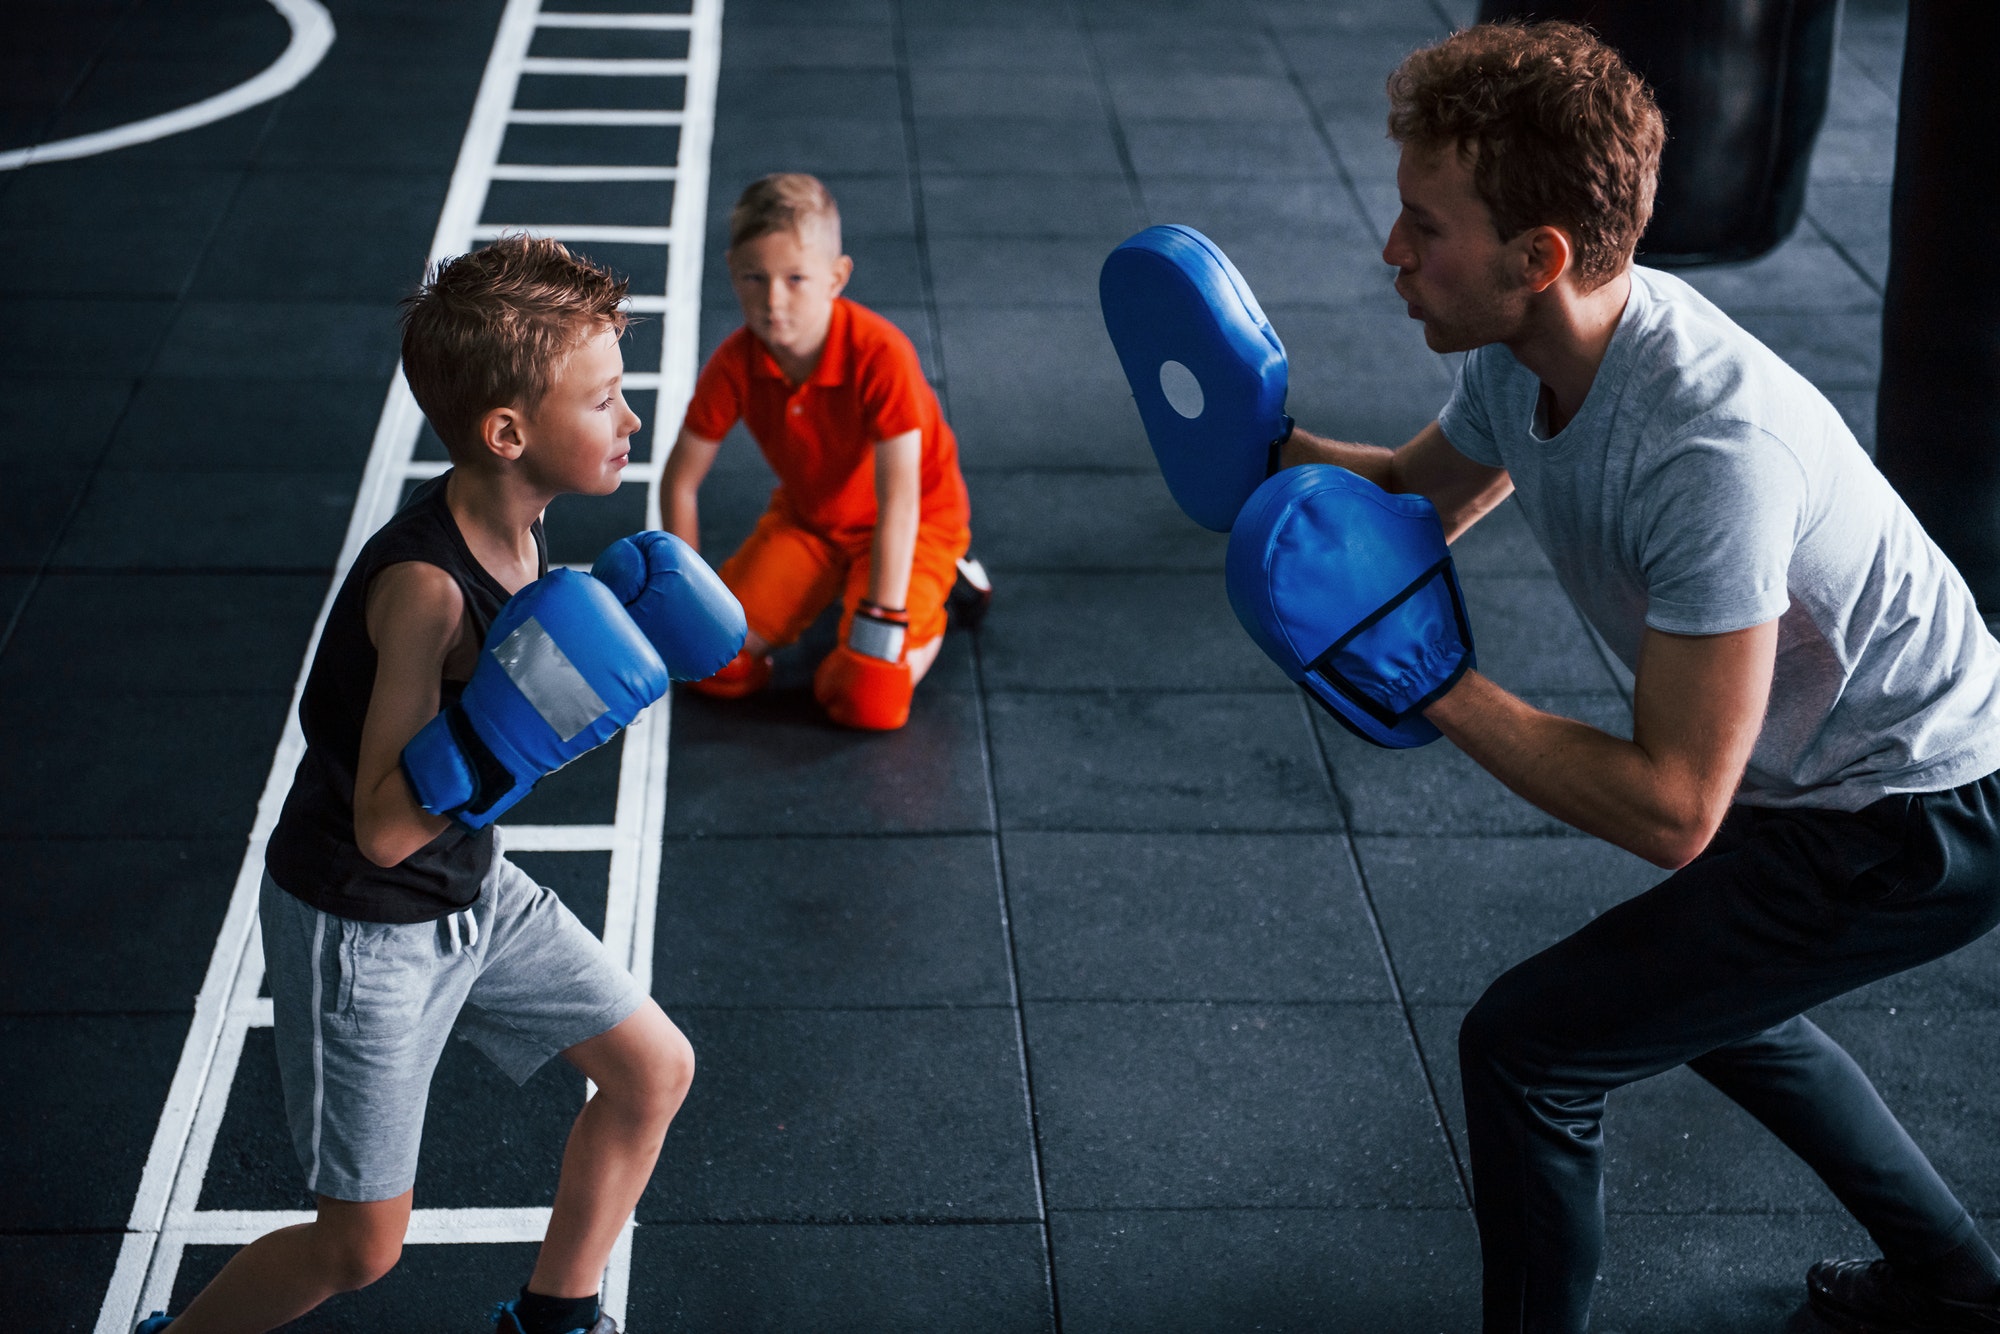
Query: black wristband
x=1277 y=447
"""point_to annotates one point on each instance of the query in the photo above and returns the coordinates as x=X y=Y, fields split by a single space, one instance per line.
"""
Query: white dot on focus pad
x=1183 y=391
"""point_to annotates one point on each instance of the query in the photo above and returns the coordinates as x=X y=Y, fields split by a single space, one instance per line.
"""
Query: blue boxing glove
x=684 y=608
x=563 y=669
x=1351 y=591
x=1206 y=368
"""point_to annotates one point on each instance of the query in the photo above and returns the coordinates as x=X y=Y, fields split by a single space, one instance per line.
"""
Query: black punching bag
x=1937 y=421
x=1742 y=84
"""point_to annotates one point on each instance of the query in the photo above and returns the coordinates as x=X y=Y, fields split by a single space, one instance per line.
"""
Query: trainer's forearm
x=1375 y=463
x=1588 y=779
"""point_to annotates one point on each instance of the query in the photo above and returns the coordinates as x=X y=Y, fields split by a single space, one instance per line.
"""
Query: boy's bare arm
x=416 y=616
x=1462 y=490
x=899 y=485
x=693 y=456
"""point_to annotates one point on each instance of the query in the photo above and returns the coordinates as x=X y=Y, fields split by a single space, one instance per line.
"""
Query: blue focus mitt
x=1206 y=369
x=1351 y=591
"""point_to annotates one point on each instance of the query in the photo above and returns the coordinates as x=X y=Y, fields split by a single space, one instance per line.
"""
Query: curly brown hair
x=492 y=328
x=1558 y=130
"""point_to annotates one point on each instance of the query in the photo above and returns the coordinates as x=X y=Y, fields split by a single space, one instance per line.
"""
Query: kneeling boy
x=384 y=926
x=870 y=506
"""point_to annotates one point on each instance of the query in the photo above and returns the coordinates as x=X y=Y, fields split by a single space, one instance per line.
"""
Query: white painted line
x=644 y=305
x=428 y=1227
x=312 y=34
x=524 y=172
x=603 y=69
x=588 y=117
x=567 y=232
x=558 y=837
x=649 y=22
x=643 y=380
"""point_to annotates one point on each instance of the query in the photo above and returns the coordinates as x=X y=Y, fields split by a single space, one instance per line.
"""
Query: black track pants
x=1713 y=969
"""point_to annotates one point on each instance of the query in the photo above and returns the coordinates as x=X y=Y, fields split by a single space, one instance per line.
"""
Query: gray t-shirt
x=1705 y=486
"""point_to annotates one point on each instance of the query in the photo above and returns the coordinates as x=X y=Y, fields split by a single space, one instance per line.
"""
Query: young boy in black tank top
x=385 y=925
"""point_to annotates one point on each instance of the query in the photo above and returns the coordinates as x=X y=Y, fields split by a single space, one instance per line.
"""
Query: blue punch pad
x=1339 y=581
x=1206 y=369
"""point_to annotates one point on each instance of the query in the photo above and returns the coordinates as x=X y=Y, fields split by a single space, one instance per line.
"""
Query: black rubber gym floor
x=1118 y=991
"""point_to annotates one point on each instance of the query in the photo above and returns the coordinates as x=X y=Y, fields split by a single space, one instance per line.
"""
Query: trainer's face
x=786 y=283
x=1451 y=265
x=580 y=437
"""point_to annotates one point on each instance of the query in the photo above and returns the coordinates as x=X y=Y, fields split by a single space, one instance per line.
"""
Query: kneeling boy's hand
x=878 y=631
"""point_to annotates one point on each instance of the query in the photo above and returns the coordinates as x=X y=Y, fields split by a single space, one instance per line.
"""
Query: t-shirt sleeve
x=1719 y=519
x=892 y=390
x=1466 y=420
x=718 y=394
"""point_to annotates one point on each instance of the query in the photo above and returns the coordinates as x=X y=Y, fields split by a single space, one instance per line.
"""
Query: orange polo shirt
x=820 y=436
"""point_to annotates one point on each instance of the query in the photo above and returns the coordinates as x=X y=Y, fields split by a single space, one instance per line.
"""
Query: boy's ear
x=503 y=432
x=843 y=269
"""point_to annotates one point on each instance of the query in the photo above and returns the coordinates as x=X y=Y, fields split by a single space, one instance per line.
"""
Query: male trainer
x=1814 y=732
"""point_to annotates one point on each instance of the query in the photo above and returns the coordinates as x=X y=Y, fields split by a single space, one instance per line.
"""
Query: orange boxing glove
x=866 y=682
x=744 y=674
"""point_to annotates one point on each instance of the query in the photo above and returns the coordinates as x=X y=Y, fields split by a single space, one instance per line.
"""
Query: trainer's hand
x=1352 y=592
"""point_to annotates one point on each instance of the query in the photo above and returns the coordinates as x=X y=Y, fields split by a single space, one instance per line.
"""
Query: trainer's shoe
x=506 y=1322
x=153 y=1323
x=1868 y=1297
x=745 y=674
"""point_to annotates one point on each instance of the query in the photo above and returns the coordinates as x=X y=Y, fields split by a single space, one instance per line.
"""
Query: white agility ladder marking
x=165 y=1216
x=312 y=34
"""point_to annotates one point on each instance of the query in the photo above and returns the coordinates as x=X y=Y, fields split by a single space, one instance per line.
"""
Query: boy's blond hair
x=491 y=329
x=785 y=201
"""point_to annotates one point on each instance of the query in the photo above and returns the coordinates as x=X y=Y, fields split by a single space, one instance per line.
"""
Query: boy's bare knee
x=659 y=1091
x=362 y=1242
x=362 y=1259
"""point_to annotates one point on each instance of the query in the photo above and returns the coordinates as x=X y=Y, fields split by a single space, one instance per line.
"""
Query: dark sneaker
x=153 y=1323
x=506 y=1322
x=971 y=595
x=1868 y=1297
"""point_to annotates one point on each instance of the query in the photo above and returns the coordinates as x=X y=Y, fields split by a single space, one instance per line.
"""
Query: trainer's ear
x=502 y=432
x=1547 y=253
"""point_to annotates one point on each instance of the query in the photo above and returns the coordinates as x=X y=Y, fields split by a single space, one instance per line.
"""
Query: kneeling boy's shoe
x=971 y=595
x=506 y=1321
x=746 y=674
x=153 y=1324
x=1869 y=1297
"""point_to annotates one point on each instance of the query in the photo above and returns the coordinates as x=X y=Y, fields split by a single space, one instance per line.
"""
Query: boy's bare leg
x=642 y=1069
x=754 y=645
x=283 y=1274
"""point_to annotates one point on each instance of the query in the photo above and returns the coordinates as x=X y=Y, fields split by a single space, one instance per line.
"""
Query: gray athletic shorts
x=363 y=1009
